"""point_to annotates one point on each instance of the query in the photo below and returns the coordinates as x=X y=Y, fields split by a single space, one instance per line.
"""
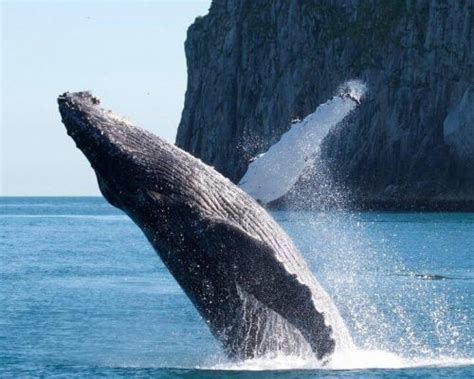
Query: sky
x=128 y=53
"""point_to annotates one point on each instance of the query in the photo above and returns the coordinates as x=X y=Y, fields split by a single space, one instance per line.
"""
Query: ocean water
x=83 y=294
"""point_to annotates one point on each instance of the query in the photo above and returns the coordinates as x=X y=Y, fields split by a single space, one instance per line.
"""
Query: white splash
x=272 y=174
x=349 y=360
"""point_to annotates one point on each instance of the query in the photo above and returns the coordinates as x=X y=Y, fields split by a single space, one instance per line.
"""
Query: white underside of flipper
x=272 y=174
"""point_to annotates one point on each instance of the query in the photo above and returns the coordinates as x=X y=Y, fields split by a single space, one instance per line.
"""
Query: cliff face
x=255 y=65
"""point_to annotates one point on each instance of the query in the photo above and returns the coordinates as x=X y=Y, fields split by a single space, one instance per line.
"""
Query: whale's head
x=131 y=164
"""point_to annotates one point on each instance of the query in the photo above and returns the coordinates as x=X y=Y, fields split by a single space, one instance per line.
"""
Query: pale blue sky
x=129 y=53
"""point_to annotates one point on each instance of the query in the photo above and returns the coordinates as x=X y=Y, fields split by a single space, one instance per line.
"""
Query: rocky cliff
x=254 y=65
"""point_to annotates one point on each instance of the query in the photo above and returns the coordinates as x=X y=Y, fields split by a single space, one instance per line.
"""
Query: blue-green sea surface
x=83 y=294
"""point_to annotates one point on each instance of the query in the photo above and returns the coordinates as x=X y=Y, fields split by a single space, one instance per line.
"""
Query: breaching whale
x=237 y=266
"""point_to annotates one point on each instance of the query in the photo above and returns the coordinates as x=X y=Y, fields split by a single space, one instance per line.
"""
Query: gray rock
x=253 y=66
x=458 y=127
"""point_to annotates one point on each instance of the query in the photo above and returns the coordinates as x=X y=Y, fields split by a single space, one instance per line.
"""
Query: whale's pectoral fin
x=258 y=271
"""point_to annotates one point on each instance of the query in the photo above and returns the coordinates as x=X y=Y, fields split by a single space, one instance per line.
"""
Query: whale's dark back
x=235 y=263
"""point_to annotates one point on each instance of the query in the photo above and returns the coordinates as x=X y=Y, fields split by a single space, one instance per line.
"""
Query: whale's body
x=238 y=267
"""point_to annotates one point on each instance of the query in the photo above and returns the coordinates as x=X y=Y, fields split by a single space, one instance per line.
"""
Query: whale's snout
x=117 y=150
x=74 y=109
x=120 y=153
x=78 y=111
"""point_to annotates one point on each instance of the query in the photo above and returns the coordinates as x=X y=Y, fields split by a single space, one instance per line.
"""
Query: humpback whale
x=237 y=266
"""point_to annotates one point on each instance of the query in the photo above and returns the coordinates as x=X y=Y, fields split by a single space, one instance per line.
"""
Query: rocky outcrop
x=459 y=127
x=255 y=65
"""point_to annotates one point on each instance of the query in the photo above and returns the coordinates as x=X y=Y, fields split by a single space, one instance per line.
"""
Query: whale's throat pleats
x=259 y=331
